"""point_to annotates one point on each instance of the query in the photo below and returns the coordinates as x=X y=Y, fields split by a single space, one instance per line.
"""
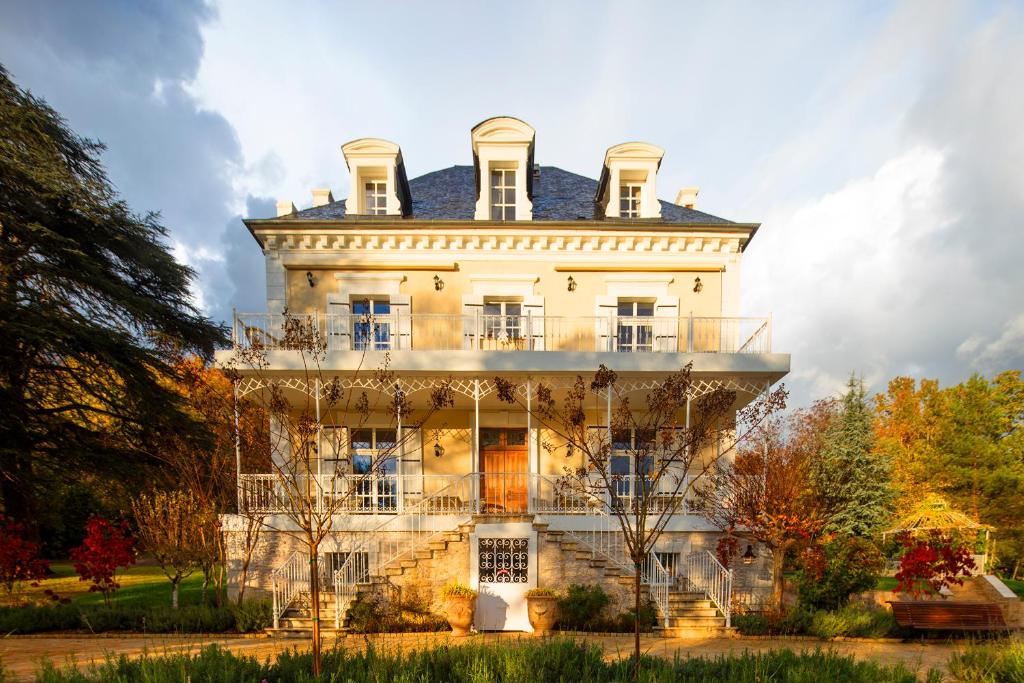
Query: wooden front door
x=505 y=463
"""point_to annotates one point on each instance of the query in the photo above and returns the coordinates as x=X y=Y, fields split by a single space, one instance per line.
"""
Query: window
x=374 y=460
x=502 y=320
x=635 y=326
x=629 y=200
x=356 y=570
x=371 y=326
x=375 y=197
x=503 y=194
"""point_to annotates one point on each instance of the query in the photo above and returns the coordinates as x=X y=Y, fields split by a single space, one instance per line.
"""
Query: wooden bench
x=949 y=616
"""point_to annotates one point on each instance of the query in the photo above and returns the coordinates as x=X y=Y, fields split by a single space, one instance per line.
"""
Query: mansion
x=502 y=267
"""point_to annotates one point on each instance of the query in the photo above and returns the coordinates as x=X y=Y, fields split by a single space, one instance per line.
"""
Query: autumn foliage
x=931 y=563
x=107 y=547
x=19 y=557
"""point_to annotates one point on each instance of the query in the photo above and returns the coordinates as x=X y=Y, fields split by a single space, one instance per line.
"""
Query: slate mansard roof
x=558 y=195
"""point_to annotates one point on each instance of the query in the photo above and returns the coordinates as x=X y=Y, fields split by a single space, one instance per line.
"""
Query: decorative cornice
x=560 y=242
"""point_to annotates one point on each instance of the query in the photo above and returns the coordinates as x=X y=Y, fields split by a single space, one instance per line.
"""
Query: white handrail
x=706 y=573
x=287 y=581
x=660 y=583
x=528 y=332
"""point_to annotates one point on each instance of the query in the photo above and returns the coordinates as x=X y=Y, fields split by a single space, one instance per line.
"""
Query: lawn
x=1016 y=586
x=143 y=585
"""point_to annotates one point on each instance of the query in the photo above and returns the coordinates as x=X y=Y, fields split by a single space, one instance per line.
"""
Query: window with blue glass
x=375 y=461
x=371 y=325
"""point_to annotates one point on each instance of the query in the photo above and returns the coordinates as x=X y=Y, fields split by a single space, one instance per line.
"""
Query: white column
x=476 y=444
x=531 y=453
x=316 y=445
x=238 y=450
x=401 y=451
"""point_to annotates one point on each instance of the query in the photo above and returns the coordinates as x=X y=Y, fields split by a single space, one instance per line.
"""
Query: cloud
x=990 y=356
x=118 y=72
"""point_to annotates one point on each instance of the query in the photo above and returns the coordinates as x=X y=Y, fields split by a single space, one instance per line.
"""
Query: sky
x=880 y=145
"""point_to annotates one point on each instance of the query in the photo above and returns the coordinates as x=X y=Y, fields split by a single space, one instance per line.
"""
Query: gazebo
x=934 y=513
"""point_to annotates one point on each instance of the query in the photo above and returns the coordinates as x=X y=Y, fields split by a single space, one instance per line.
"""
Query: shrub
x=19 y=557
x=931 y=563
x=375 y=615
x=581 y=607
x=106 y=549
x=192 y=619
x=984 y=663
x=253 y=615
x=856 y=622
x=838 y=569
x=530 y=662
x=457 y=590
x=752 y=624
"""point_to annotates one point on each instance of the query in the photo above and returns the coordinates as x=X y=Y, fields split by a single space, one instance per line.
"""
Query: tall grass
x=541 y=662
x=993 y=662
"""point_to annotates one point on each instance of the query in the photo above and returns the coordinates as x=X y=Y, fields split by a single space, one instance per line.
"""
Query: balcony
x=441 y=332
x=478 y=493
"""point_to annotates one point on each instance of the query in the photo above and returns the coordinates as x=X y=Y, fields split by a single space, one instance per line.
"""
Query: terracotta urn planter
x=459 y=613
x=543 y=612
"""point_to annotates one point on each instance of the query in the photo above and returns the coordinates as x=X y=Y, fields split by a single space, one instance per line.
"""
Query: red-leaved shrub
x=19 y=557
x=107 y=548
x=931 y=563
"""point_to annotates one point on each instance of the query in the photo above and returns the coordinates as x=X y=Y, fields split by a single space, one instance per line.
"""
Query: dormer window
x=627 y=186
x=503 y=194
x=375 y=197
x=629 y=200
x=503 y=158
x=379 y=185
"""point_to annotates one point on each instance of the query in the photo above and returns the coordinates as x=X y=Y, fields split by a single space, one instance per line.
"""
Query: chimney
x=687 y=197
x=321 y=196
x=285 y=208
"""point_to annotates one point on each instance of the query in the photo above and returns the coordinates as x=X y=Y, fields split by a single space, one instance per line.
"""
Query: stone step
x=304 y=633
x=692 y=622
x=438 y=545
x=452 y=536
x=409 y=564
x=684 y=613
x=424 y=554
x=466 y=528
x=694 y=632
x=393 y=571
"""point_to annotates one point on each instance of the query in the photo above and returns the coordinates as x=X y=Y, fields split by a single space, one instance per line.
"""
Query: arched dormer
x=628 y=187
x=379 y=186
x=503 y=159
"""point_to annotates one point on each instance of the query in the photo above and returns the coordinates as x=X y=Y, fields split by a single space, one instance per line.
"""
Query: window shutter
x=666 y=331
x=401 y=309
x=604 y=327
x=533 y=311
x=411 y=465
x=472 y=308
x=339 y=324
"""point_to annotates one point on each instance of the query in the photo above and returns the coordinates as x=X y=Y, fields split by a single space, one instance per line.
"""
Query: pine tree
x=850 y=479
x=91 y=306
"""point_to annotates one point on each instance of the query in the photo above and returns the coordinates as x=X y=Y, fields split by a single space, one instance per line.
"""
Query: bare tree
x=308 y=498
x=671 y=440
x=170 y=527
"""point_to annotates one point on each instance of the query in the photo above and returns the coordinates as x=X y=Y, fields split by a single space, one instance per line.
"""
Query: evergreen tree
x=851 y=480
x=86 y=289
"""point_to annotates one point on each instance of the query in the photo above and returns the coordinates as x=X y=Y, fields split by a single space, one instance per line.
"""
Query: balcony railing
x=437 y=332
x=479 y=493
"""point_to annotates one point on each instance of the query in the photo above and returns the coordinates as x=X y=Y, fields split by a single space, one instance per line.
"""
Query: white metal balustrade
x=490 y=493
x=479 y=332
x=291 y=580
x=705 y=573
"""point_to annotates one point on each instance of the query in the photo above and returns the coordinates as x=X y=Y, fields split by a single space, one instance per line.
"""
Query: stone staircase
x=297 y=620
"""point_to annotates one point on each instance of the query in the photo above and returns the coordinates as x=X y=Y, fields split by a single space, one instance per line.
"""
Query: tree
x=668 y=441
x=107 y=548
x=964 y=443
x=85 y=287
x=19 y=557
x=170 y=528
x=311 y=500
x=836 y=567
x=850 y=479
x=766 y=494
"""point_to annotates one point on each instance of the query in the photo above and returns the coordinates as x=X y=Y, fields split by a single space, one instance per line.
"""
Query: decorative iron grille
x=504 y=560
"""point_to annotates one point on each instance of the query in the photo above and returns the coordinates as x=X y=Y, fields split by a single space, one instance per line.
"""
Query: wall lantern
x=438 y=448
x=697 y=285
x=749 y=556
x=572 y=284
x=438 y=283
x=310 y=279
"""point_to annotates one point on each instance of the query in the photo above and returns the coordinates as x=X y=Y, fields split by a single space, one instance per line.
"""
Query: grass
x=886 y=583
x=992 y=662
x=1016 y=586
x=552 y=660
x=143 y=585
